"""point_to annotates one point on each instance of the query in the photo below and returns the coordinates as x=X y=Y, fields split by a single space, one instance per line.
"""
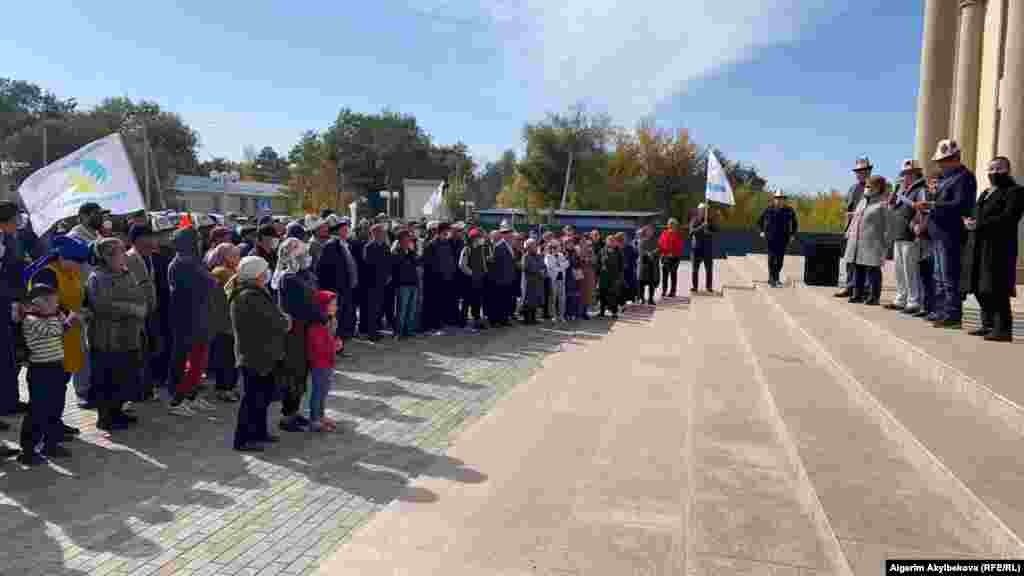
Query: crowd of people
x=265 y=310
x=947 y=241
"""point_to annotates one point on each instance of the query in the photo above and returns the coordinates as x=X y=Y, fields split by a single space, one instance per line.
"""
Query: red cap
x=324 y=297
x=474 y=232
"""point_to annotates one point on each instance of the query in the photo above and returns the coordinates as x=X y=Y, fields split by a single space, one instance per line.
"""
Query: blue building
x=582 y=220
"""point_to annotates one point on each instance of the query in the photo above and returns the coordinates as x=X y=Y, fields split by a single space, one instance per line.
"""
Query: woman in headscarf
x=649 y=260
x=297 y=296
x=62 y=269
x=261 y=331
x=866 y=242
x=223 y=260
x=115 y=332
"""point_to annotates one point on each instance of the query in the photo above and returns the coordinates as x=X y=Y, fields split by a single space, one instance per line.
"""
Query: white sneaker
x=202 y=404
x=128 y=407
x=182 y=409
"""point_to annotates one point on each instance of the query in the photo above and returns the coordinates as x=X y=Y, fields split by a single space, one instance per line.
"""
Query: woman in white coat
x=866 y=242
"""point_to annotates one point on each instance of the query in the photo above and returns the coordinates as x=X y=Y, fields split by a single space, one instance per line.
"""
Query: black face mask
x=95 y=221
x=1000 y=180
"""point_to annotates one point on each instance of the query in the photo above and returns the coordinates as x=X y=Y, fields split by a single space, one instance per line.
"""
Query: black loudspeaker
x=821 y=264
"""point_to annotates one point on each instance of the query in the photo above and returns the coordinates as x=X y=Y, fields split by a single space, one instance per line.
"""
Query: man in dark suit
x=504 y=277
x=377 y=260
x=338 y=272
x=990 y=259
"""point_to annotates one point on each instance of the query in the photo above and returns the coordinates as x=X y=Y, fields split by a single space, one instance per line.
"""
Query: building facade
x=202 y=194
x=972 y=84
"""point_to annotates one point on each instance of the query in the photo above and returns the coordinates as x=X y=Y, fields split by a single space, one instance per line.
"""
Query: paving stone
x=170 y=496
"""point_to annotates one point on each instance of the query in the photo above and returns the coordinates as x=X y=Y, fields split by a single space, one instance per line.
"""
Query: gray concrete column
x=935 y=95
x=1011 y=102
x=968 y=78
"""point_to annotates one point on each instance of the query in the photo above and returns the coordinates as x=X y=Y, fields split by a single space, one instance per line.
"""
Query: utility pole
x=568 y=172
x=145 y=154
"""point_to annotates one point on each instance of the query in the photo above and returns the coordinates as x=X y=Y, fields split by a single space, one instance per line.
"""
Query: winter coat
x=778 y=225
x=533 y=280
x=866 y=237
x=649 y=261
x=901 y=210
x=990 y=257
x=670 y=243
x=297 y=298
x=612 y=270
x=701 y=235
x=630 y=262
x=853 y=197
x=320 y=339
x=589 y=281
x=190 y=293
x=572 y=285
x=378 y=265
x=406 y=273
x=336 y=269
x=259 y=326
x=220 y=316
x=118 y=305
x=954 y=200
x=556 y=264
x=439 y=260
x=503 y=270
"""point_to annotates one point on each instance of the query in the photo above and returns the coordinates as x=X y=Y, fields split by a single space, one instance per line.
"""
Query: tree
x=494 y=177
x=173 y=143
x=559 y=148
x=23 y=104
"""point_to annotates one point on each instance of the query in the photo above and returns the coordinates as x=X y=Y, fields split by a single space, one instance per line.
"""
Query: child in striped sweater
x=44 y=328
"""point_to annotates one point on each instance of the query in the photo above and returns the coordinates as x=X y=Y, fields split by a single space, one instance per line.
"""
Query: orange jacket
x=671 y=243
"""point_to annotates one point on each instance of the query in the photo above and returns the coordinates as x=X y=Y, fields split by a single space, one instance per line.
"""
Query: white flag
x=98 y=172
x=434 y=202
x=718 y=188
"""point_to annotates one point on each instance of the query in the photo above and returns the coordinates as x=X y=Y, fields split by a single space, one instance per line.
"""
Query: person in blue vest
x=954 y=200
x=778 y=225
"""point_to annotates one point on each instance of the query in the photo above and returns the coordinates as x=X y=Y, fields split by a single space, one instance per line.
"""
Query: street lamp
x=388 y=195
x=467 y=204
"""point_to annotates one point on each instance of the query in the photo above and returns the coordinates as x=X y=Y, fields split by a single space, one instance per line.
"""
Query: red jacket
x=320 y=337
x=671 y=243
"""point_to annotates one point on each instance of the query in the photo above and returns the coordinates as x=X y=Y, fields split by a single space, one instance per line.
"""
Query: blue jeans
x=948 y=302
x=406 y=310
x=320 y=388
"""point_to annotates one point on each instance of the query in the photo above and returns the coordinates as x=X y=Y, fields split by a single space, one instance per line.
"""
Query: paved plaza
x=755 y=431
x=171 y=497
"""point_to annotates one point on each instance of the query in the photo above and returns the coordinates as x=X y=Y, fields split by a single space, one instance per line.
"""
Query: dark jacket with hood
x=190 y=292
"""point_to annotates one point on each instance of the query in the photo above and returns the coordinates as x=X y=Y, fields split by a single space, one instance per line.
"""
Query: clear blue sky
x=799 y=92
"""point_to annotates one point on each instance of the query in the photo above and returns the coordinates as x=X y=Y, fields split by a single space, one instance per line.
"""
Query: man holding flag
x=718 y=190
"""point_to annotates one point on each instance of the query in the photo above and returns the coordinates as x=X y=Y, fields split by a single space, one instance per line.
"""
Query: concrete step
x=970 y=451
x=966 y=368
x=972 y=317
x=883 y=495
x=755 y=511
